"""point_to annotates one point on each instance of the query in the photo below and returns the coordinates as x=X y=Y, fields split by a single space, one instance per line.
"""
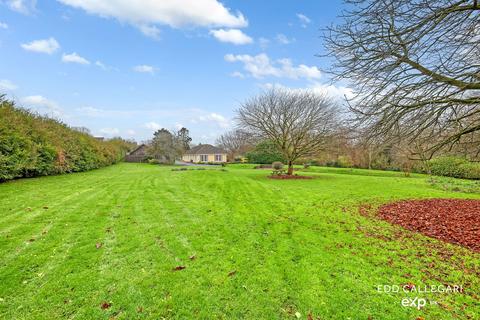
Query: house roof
x=136 y=149
x=205 y=149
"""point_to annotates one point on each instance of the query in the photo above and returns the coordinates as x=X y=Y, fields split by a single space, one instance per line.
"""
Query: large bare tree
x=236 y=142
x=298 y=122
x=415 y=65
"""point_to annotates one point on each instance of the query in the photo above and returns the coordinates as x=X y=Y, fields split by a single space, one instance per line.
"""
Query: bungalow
x=205 y=153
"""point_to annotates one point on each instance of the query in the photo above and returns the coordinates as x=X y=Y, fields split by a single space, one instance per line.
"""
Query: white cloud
x=131 y=132
x=264 y=42
x=174 y=13
x=74 y=58
x=220 y=120
x=38 y=100
x=48 y=46
x=334 y=91
x=237 y=74
x=7 y=85
x=179 y=126
x=283 y=39
x=304 y=19
x=90 y=112
x=339 y=92
x=234 y=36
x=110 y=131
x=153 y=126
x=105 y=67
x=3 y=25
x=43 y=105
x=22 y=6
x=260 y=66
x=150 y=31
x=104 y=113
x=101 y=65
x=144 y=69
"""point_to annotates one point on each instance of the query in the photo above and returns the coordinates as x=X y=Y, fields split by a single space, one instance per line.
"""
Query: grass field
x=264 y=249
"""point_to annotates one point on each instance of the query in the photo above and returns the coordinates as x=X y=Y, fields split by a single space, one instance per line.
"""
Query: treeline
x=34 y=145
x=349 y=148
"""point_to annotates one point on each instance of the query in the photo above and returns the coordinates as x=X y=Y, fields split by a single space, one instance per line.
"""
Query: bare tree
x=415 y=65
x=298 y=122
x=236 y=142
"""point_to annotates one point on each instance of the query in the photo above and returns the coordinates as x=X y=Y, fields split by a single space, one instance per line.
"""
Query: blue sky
x=126 y=68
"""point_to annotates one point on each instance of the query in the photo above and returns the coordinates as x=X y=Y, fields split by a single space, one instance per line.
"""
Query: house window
x=204 y=157
x=218 y=157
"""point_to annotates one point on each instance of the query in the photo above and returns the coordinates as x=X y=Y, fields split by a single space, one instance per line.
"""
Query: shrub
x=33 y=145
x=265 y=152
x=344 y=162
x=277 y=165
x=455 y=167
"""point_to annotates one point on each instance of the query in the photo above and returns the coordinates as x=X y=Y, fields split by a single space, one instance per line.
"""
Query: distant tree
x=183 y=139
x=297 y=122
x=236 y=142
x=164 y=145
x=168 y=145
x=265 y=152
x=415 y=65
x=82 y=130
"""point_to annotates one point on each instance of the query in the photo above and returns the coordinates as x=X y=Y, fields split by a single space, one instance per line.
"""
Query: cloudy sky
x=131 y=67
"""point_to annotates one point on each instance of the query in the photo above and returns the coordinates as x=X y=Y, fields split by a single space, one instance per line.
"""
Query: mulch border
x=454 y=221
x=289 y=177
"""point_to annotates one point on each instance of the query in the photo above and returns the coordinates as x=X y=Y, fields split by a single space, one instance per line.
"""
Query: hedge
x=455 y=167
x=34 y=145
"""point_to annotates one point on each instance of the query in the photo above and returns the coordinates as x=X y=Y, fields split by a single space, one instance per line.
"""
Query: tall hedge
x=455 y=167
x=33 y=145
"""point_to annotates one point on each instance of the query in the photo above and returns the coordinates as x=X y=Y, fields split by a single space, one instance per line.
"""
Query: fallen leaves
x=45 y=207
x=192 y=257
x=98 y=245
x=451 y=220
x=105 y=305
x=408 y=286
x=178 y=268
x=232 y=273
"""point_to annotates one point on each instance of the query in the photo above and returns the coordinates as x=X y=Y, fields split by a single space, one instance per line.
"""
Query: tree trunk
x=369 y=159
x=290 y=168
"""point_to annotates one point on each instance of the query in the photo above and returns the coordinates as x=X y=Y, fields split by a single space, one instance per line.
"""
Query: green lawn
x=264 y=249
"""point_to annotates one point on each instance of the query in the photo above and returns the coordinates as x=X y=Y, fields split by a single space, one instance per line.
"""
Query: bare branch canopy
x=298 y=122
x=415 y=65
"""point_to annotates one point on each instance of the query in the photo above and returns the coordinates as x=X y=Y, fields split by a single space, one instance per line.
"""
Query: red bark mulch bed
x=451 y=220
x=288 y=177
